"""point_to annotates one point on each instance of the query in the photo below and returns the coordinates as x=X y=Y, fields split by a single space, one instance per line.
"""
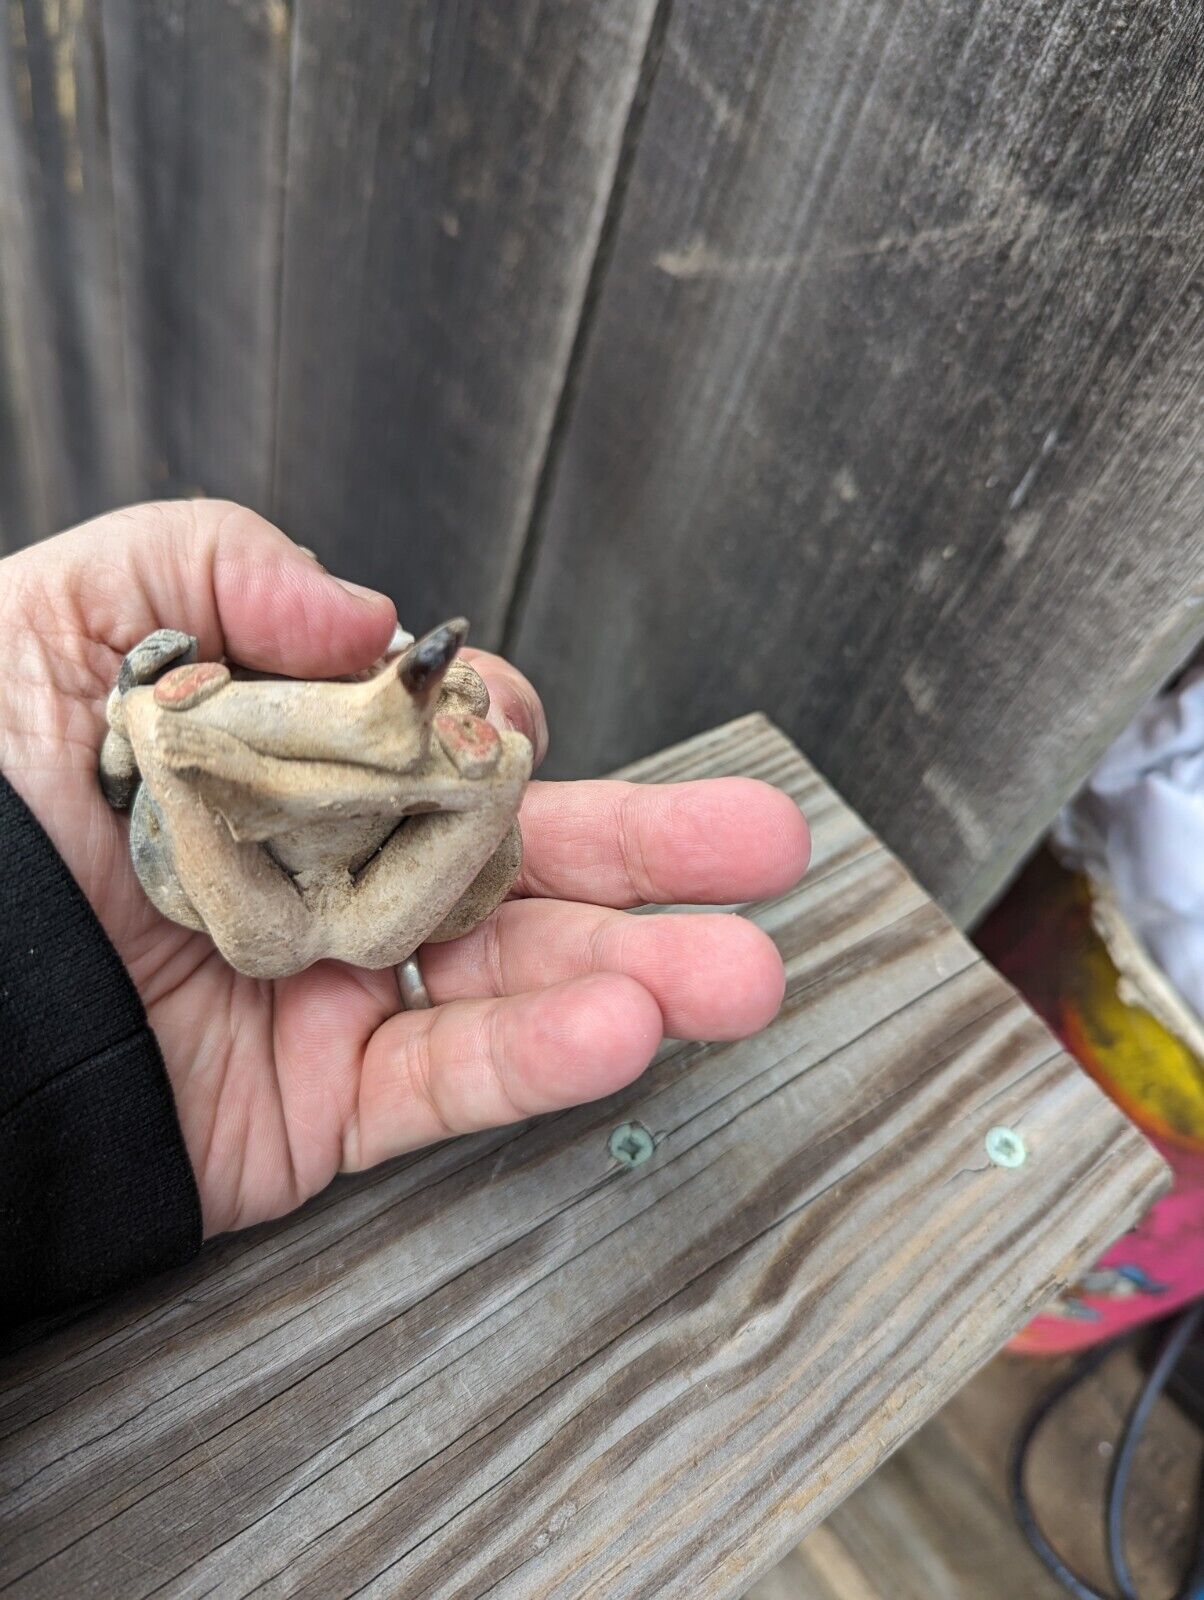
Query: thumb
x=223 y=573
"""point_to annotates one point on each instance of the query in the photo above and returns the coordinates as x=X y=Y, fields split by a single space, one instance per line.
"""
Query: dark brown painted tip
x=427 y=660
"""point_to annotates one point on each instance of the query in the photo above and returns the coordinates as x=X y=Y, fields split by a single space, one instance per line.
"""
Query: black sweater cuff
x=95 y=1184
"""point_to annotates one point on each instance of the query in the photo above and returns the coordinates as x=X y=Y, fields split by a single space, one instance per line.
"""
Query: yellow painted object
x=1150 y=1072
x=1061 y=940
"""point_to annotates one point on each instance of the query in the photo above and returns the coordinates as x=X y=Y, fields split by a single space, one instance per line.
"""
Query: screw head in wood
x=631 y=1144
x=1006 y=1148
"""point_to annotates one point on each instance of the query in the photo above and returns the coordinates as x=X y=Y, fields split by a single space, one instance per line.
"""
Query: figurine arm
x=250 y=906
x=412 y=885
x=260 y=795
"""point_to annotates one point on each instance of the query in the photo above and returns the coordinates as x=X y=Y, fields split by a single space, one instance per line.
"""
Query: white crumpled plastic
x=1138 y=826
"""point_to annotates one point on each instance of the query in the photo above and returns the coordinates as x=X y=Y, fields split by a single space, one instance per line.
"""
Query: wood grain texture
x=198 y=104
x=890 y=418
x=64 y=428
x=934 y=1522
x=508 y=1366
x=448 y=175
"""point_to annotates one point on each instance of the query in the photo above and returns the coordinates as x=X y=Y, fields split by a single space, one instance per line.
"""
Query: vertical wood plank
x=64 y=439
x=449 y=172
x=890 y=419
x=198 y=98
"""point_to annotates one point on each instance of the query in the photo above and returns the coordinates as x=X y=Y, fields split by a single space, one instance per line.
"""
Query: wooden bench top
x=513 y=1366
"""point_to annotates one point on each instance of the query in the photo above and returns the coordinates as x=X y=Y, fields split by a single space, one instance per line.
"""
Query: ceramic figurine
x=293 y=820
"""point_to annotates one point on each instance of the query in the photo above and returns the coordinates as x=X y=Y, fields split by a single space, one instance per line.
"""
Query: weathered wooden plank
x=508 y=1366
x=890 y=417
x=198 y=104
x=449 y=171
x=64 y=437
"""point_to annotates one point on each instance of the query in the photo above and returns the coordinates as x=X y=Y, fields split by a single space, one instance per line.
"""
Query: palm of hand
x=280 y=1085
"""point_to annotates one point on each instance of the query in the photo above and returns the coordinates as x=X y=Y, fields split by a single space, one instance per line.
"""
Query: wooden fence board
x=449 y=171
x=887 y=418
x=64 y=428
x=198 y=101
x=509 y=1367
x=890 y=418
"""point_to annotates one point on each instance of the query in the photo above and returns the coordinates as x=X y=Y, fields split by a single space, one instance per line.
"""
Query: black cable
x=1176 y=1341
x=1021 y=1507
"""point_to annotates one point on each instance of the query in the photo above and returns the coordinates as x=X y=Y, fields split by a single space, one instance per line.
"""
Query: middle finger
x=714 y=841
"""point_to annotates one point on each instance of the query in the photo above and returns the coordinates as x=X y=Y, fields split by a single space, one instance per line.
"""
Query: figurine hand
x=560 y=997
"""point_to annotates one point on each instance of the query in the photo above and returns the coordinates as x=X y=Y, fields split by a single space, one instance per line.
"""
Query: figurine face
x=294 y=820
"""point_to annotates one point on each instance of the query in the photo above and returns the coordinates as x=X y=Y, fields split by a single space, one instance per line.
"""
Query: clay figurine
x=293 y=820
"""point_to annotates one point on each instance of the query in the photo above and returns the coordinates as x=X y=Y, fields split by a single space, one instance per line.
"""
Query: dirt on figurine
x=296 y=820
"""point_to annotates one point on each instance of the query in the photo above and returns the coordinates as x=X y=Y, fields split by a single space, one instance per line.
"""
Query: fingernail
x=372 y=597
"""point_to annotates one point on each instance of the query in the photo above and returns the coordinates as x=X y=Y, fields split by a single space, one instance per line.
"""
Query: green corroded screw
x=1006 y=1148
x=631 y=1144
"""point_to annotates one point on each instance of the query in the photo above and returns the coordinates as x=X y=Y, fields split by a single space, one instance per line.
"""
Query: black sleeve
x=95 y=1184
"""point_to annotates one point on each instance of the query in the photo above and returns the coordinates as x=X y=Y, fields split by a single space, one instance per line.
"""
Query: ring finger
x=714 y=975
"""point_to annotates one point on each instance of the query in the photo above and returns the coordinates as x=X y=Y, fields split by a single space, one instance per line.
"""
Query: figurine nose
x=424 y=664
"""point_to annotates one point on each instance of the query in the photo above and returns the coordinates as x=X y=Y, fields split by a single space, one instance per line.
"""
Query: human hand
x=559 y=997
